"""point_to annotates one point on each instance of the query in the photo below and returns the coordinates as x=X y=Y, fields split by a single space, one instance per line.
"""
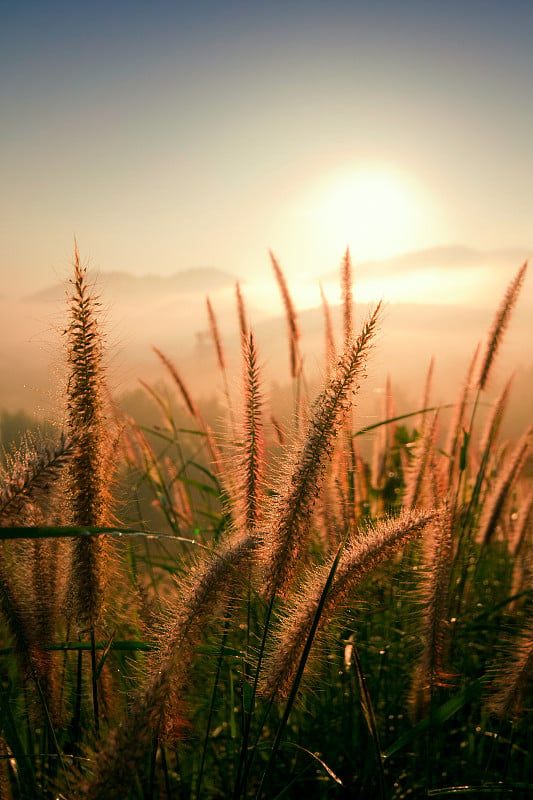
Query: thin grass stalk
x=352 y=481
x=171 y=367
x=497 y=330
x=154 y=476
x=370 y=718
x=292 y=320
x=427 y=396
x=430 y=672
x=494 y=422
x=217 y=461
x=382 y=442
x=495 y=502
x=208 y=584
x=499 y=325
x=471 y=514
x=319 y=609
x=31 y=478
x=245 y=763
x=162 y=403
x=45 y=605
x=181 y=501
x=278 y=430
x=17 y=621
x=288 y=524
x=368 y=548
x=457 y=430
x=221 y=357
x=347 y=297
x=241 y=314
x=330 y=349
x=512 y=675
x=417 y=472
x=227 y=617
x=27 y=652
x=253 y=448
x=523 y=523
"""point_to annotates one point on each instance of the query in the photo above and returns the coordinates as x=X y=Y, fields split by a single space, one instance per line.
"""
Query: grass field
x=254 y=609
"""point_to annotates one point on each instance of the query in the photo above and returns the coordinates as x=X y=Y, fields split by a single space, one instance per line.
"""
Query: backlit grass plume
x=419 y=472
x=85 y=401
x=329 y=337
x=241 y=314
x=89 y=475
x=159 y=706
x=498 y=495
x=200 y=655
x=513 y=673
x=288 y=524
x=292 y=320
x=252 y=459
x=347 y=296
x=28 y=478
x=173 y=371
x=367 y=548
x=456 y=438
x=431 y=671
x=499 y=325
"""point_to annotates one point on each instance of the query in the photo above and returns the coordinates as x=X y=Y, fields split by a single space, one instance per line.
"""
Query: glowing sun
x=377 y=210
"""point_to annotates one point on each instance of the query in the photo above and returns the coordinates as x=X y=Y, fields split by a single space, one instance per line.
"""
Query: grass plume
x=365 y=550
x=292 y=319
x=286 y=528
x=499 y=325
x=347 y=296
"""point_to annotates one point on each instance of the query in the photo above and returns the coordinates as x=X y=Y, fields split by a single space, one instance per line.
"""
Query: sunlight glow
x=377 y=210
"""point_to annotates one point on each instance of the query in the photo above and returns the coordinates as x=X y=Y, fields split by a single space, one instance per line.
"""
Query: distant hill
x=447 y=321
x=124 y=286
x=445 y=257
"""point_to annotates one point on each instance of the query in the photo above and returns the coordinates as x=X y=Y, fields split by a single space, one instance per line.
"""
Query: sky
x=165 y=136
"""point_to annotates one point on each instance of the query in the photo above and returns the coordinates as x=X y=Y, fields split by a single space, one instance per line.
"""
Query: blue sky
x=166 y=136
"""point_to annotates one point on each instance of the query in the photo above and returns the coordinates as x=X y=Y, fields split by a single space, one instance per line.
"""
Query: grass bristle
x=286 y=528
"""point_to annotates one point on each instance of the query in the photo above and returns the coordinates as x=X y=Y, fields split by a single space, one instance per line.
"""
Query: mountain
x=452 y=312
x=124 y=286
x=447 y=257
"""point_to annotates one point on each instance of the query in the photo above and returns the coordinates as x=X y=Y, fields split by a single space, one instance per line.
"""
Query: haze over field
x=170 y=312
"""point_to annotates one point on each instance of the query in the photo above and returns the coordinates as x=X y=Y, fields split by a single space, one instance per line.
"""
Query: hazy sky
x=171 y=135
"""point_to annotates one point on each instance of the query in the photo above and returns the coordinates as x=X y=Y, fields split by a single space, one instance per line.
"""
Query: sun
x=376 y=210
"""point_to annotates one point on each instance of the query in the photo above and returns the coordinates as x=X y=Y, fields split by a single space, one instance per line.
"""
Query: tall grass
x=274 y=617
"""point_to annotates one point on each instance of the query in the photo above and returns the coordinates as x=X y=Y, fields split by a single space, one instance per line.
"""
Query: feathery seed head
x=292 y=321
x=288 y=523
x=499 y=325
x=347 y=296
x=371 y=547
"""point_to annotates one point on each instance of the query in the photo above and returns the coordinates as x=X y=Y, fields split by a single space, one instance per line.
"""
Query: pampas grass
x=499 y=326
x=155 y=710
x=347 y=296
x=287 y=527
x=494 y=503
x=251 y=486
x=364 y=551
x=289 y=619
x=28 y=479
x=292 y=320
x=89 y=485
